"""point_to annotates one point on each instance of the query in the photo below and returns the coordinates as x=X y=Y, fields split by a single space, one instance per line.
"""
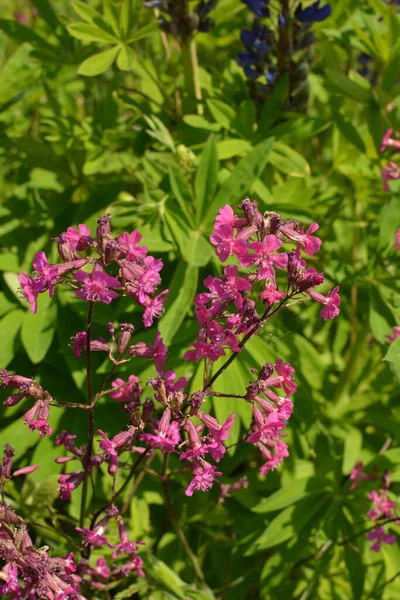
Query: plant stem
x=265 y=317
x=90 y=411
x=178 y=529
x=285 y=40
x=122 y=488
x=191 y=76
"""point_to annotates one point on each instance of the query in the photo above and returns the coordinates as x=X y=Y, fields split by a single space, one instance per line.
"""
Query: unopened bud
x=124 y=337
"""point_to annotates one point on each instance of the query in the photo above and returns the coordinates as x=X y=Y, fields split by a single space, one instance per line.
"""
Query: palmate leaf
x=88 y=32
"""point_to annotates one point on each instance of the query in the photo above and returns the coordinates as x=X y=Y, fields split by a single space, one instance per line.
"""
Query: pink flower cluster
x=382 y=506
x=391 y=171
x=256 y=241
x=138 y=274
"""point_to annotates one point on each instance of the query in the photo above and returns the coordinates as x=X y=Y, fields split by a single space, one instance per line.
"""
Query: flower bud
x=124 y=337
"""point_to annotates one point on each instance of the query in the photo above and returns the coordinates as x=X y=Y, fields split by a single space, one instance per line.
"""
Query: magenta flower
x=227 y=244
x=202 y=350
x=283 y=379
x=271 y=294
x=388 y=141
x=395 y=334
x=389 y=173
x=96 y=286
x=273 y=459
x=109 y=451
x=331 y=302
x=158 y=351
x=129 y=245
x=379 y=535
x=357 y=475
x=154 y=309
x=149 y=280
x=204 y=475
x=93 y=539
x=79 y=239
x=197 y=447
x=28 y=290
x=166 y=438
x=264 y=257
x=310 y=243
x=219 y=433
x=129 y=392
x=383 y=507
x=69 y=483
x=397 y=240
x=78 y=343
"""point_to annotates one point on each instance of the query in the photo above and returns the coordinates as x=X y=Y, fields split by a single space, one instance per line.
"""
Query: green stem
x=192 y=88
x=90 y=411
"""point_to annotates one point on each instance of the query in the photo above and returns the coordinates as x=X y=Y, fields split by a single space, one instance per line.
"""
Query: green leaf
x=348 y=131
x=143 y=32
x=389 y=222
x=126 y=17
x=352 y=449
x=289 y=523
x=289 y=161
x=198 y=122
x=10 y=326
x=246 y=172
x=222 y=113
x=356 y=570
x=292 y=493
x=206 y=178
x=273 y=106
x=112 y=17
x=23 y=34
x=86 y=12
x=392 y=355
x=47 y=13
x=98 y=63
x=347 y=86
x=232 y=147
x=126 y=59
x=89 y=32
x=182 y=192
x=38 y=330
x=181 y=291
x=167 y=578
x=381 y=319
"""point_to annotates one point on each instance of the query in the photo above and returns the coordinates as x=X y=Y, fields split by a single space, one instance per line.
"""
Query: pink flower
x=389 y=173
x=219 y=433
x=227 y=244
x=148 y=280
x=204 y=350
x=109 y=450
x=128 y=243
x=78 y=343
x=197 y=447
x=93 y=539
x=395 y=334
x=265 y=257
x=380 y=536
x=79 y=239
x=397 y=240
x=284 y=378
x=271 y=294
x=96 y=286
x=158 y=351
x=357 y=474
x=129 y=392
x=167 y=436
x=310 y=243
x=154 y=308
x=382 y=505
x=204 y=475
x=331 y=302
x=28 y=290
x=273 y=460
x=389 y=141
x=69 y=482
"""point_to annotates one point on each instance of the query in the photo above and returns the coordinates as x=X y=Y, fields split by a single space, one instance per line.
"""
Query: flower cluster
x=391 y=171
x=232 y=308
x=382 y=506
x=270 y=50
x=138 y=274
x=179 y=22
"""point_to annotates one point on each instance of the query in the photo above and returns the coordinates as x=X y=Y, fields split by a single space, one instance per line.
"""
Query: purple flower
x=313 y=13
x=331 y=302
x=28 y=290
x=379 y=535
x=96 y=286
